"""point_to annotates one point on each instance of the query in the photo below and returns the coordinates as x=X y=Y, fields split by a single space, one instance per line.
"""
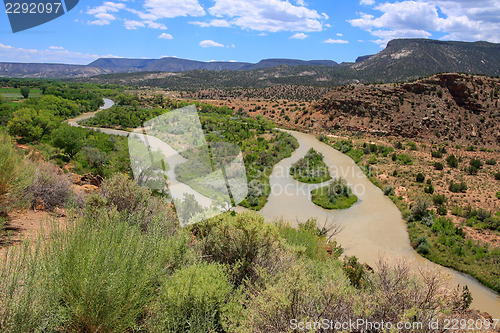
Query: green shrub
x=123 y=193
x=420 y=177
x=452 y=161
x=429 y=189
x=458 y=187
x=423 y=246
x=405 y=159
x=491 y=161
x=441 y=210
x=89 y=277
x=439 y=199
x=496 y=175
x=438 y=166
x=240 y=242
x=191 y=300
x=355 y=272
x=306 y=240
x=14 y=175
x=388 y=190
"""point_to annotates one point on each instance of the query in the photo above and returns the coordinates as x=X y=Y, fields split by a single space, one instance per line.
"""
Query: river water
x=371 y=229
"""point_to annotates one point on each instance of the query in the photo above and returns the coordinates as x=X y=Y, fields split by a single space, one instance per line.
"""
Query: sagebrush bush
x=50 y=187
x=242 y=242
x=14 y=175
x=191 y=300
x=135 y=202
x=90 y=277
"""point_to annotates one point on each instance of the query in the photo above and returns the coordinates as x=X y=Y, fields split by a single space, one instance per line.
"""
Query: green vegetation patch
x=336 y=195
x=310 y=169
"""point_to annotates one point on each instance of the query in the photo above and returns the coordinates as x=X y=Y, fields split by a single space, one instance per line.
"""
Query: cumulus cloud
x=299 y=35
x=268 y=15
x=336 y=41
x=153 y=10
x=210 y=43
x=103 y=12
x=462 y=20
x=213 y=23
x=54 y=54
x=165 y=36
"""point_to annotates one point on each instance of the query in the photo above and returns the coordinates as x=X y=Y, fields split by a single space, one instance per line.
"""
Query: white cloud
x=102 y=12
x=210 y=43
x=300 y=35
x=165 y=36
x=168 y=9
x=340 y=35
x=154 y=10
x=269 y=15
x=53 y=54
x=336 y=41
x=213 y=23
x=460 y=20
x=133 y=25
x=367 y=2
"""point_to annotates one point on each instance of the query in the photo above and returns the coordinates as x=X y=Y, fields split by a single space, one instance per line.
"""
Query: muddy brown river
x=370 y=229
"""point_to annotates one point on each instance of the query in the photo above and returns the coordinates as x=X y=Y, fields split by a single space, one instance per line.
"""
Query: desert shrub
x=441 y=210
x=419 y=209
x=308 y=240
x=355 y=272
x=388 y=190
x=91 y=277
x=458 y=187
x=437 y=153
x=491 y=161
x=405 y=159
x=136 y=204
x=439 y=199
x=14 y=175
x=423 y=247
x=438 y=166
x=420 y=177
x=50 y=187
x=191 y=300
x=307 y=291
x=496 y=175
x=452 y=161
x=241 y=242
x=123 y=193
x=429 y=189
x=498 y=195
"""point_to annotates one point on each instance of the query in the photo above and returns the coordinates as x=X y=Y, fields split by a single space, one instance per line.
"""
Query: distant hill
x=401 y=60
x=412 y=58
x=124 y=65
x=11 y=69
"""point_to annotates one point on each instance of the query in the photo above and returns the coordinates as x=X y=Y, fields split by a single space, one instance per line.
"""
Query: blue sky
x=245 y=30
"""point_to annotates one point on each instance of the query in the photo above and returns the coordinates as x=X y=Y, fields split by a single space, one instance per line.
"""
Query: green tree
x=68 y=138
x=25 y=91
x=30 y=124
